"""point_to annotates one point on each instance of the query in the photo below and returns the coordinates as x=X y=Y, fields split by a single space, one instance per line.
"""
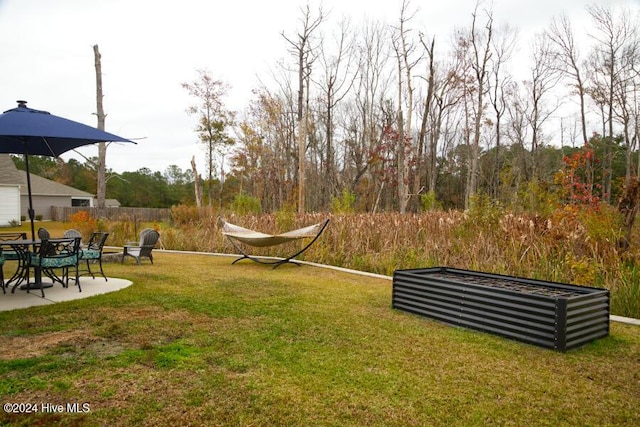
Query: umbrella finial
x=22 y=103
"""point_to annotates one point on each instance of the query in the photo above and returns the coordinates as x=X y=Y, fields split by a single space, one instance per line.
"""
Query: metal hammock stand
x=257 y=239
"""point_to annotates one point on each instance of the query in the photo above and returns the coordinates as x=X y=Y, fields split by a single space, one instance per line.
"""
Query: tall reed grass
x=567 y=246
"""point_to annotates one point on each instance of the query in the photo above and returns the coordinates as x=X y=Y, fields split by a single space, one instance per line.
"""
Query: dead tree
x=336 y=83
x=480 y=43
x=616 y=42
x=404 y=50
x=301 y=48
x=568 y=60
x=102 y=146
x=499 y=83
x=197 y=182
x=428 y=100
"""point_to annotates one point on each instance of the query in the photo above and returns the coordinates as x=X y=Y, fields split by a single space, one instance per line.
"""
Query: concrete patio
x=90 y=287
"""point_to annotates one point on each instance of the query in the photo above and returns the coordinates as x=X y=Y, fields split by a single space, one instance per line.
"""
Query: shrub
x=344 y=204
x=625 y=301
x=603 y=224
x=121 y=232
x=243 y=204
x=102 y=224
x=189 y=214
x=538 y=197
x=286 y=218
x=484 y=212
x=183 y=214
x=429 y=202
x=84 y=223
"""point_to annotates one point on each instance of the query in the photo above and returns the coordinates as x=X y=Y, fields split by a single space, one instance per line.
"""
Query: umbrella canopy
x=27 y=131
x=24 y=130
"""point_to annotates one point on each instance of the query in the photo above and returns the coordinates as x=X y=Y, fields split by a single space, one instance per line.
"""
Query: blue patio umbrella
x=26 y=131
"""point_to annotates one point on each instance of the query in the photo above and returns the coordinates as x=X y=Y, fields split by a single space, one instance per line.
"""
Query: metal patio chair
x=93 y=252
x=11 y=254
x=43 y=233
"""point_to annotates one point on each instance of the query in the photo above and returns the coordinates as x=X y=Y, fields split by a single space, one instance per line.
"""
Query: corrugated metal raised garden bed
x=547 y=314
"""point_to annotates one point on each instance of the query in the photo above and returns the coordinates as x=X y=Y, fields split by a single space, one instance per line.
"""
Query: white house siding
x=10 y=204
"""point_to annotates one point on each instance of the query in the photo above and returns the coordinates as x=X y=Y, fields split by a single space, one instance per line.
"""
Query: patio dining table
x=21 y=248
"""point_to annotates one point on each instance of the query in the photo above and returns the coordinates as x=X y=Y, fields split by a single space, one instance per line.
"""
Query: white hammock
x=257 y=239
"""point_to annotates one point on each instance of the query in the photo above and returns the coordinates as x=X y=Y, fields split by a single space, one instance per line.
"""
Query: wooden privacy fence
x=63 y=213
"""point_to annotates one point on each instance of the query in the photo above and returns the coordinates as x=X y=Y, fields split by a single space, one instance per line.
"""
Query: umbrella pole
x=37 y=271
x=30 y=210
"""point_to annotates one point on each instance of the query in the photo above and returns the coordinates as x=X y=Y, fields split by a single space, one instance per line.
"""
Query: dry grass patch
x=38 y=345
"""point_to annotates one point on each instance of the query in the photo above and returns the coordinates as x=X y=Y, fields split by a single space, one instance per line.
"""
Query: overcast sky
x=149 y=47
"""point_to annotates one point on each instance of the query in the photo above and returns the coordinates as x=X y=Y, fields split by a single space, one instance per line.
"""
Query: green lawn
x=197 y=341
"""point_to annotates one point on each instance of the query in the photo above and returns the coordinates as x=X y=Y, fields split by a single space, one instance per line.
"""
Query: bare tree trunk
x=336 y=84
x=196 y=182
x=302 y=132
x=503 y=48
x=370 y=91
x=425 y=117
x=481 y=46
x=561 y=34
x=102 y=146
x=211 y=170
x=302 y=50
x=403 y=49
x=616 y=37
